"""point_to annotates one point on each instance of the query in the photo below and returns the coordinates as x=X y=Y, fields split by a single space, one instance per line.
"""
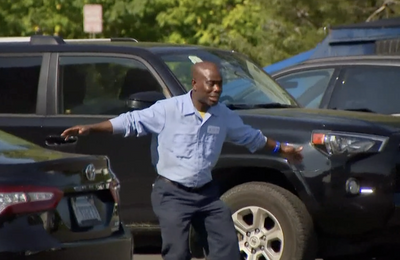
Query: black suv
x=367 y=83
x=343 y=195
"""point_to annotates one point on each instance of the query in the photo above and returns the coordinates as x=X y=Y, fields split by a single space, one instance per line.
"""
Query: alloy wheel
x=260 y=234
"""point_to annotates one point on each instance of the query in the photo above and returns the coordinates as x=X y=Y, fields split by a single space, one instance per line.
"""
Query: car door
x=308 y=86
x=373 y=88
x=91 y=88
x=22 y=100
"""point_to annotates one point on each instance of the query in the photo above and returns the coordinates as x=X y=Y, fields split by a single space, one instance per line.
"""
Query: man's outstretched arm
x=139 y=123
x=242 y=134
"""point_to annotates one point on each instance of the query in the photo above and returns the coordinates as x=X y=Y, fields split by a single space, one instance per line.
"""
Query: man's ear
x=193 y=84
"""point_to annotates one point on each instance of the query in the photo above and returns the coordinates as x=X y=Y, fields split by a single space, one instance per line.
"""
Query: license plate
x=86 y=213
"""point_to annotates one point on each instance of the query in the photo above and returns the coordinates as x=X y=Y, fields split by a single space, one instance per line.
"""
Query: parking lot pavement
x=147 y=257
x=150 y=257
x=156 y=257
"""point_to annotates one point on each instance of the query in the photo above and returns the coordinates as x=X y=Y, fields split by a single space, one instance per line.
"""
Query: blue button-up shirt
x=188 y=146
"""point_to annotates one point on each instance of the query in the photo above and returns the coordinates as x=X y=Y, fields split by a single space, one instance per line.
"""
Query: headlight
x=334 y=143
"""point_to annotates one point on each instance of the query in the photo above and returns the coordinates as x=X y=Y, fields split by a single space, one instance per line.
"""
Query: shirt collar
x=188 y=107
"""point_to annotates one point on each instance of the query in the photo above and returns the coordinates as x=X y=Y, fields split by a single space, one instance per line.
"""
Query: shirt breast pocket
x=210 y=145
x=184 y=143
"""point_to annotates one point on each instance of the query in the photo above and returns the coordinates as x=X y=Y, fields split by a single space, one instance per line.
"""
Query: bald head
x=198 y=69
x=206 y=83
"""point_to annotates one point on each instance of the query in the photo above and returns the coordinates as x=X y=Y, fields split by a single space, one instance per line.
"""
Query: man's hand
x=103 y=127
x=292 y=154
x=76 y=130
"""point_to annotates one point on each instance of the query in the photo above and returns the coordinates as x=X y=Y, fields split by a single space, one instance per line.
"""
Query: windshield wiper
x=361 y=109
x=253 y=106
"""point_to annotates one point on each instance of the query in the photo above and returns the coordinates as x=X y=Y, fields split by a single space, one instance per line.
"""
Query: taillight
x=27 y=199
x=114 y=188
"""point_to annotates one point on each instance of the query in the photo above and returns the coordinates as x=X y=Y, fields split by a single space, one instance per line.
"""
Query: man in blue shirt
x=191 y=130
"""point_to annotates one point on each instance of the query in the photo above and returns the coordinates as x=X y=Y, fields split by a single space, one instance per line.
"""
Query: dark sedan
x=57 y=205
x=359 y=83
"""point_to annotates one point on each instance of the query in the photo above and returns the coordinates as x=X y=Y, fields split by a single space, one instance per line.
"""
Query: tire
x=283 y=212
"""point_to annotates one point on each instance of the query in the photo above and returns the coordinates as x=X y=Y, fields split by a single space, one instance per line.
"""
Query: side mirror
x=143 y=100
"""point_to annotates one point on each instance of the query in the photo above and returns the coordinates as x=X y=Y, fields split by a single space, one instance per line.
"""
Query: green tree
x=267 y=31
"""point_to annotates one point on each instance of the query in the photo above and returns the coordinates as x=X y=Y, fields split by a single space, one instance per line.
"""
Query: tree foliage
x=267 y=31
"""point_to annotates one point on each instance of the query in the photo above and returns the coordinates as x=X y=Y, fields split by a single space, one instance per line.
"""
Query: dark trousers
x=177 y=208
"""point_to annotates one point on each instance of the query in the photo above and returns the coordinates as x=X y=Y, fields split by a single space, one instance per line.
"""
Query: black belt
x=183 y=187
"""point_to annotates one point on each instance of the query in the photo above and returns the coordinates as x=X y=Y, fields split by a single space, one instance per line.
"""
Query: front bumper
x=119 y=246
x=340 y=212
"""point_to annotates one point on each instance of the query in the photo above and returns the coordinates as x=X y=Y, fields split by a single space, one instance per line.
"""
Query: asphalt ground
x=153 y=254
x=147 y=257
x=158 y=257
x=155 y=257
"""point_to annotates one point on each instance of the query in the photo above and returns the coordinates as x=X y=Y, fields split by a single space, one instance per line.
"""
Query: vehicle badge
x=90 y=172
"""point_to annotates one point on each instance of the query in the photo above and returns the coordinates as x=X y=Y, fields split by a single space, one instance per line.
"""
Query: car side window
x=19 y=82
x=307 y=87
x=375 y=88
x=93 y=85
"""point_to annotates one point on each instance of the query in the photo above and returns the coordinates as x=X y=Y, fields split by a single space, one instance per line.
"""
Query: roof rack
x=55 y=40
x=122 y=40
x=45 y=39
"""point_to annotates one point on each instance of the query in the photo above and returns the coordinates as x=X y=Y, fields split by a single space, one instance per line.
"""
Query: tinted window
x=243 y=81
x=376 y=88
x=101 y=85
x=307 y=87
x=19 y=80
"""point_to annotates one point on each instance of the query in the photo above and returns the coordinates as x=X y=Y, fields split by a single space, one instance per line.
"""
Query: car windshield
x=243 y=81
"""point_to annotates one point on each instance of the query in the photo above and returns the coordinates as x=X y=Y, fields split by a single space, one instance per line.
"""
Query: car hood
x=33 y=155
x=14 y=150
x=328 y=116
x=22 y=162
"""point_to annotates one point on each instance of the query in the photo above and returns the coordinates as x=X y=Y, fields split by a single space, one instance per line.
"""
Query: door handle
x=58 y=140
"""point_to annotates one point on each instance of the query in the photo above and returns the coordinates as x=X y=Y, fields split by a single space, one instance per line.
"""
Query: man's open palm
x=292 y=154
x=76 y=130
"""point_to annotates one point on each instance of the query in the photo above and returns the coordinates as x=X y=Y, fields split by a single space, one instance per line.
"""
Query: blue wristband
x=277 y=147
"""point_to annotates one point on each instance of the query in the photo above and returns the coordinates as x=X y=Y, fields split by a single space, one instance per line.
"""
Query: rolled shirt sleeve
x=140 y=122
x=244 y=135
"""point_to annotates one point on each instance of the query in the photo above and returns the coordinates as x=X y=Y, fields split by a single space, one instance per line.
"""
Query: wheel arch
x=233 y=171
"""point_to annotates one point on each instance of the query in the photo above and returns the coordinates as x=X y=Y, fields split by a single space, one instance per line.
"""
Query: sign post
x=93 y=19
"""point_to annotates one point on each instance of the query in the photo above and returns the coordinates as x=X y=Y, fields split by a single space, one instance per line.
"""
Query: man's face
x=208 y=86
